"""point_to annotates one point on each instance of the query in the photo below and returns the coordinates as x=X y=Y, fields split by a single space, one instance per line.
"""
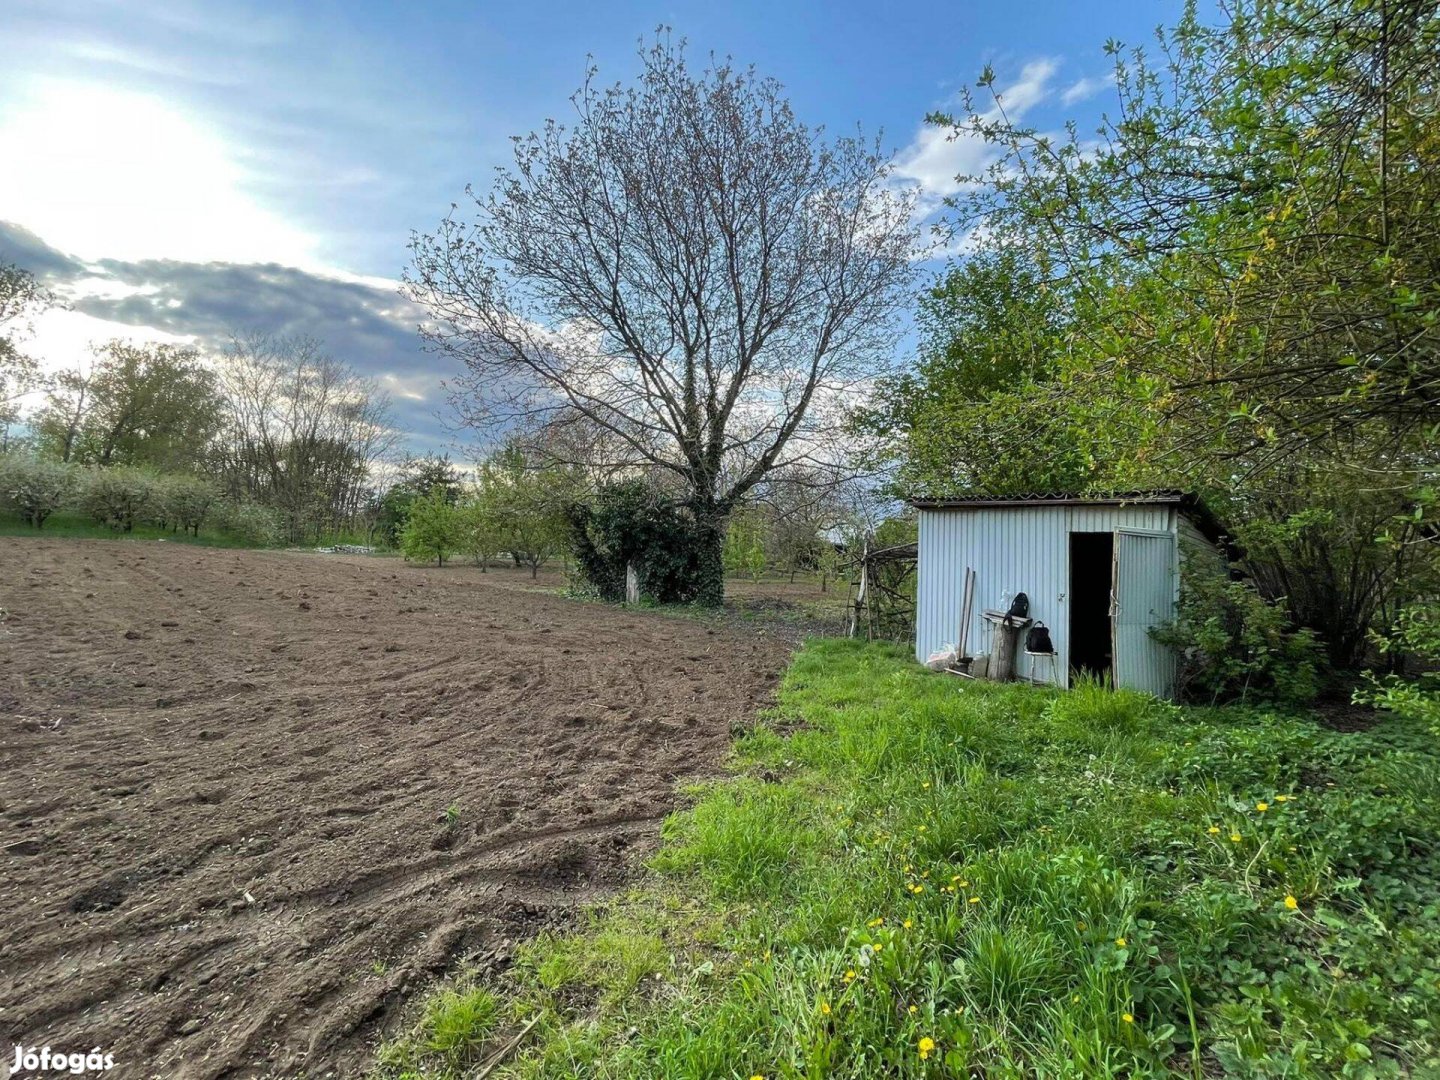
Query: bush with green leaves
x=251 y=522
x=432 y=528
x=34 y=487
x=1233 y=645
x=182 y=503
x=481 y=531
x=745 y=546
x=632 y=522
x=1416 y=635
x=119 y=498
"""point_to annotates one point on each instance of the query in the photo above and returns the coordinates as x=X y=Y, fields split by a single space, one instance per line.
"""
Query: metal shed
x=1099 y=572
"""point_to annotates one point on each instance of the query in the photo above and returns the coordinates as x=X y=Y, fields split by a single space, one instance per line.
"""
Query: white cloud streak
x=936 y=157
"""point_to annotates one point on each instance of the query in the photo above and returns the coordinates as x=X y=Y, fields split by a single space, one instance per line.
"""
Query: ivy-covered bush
x=632 y=522
x=1233 y=645
x=35 y=488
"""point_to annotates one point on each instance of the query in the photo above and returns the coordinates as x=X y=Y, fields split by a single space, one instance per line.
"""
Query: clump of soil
x=241 y=830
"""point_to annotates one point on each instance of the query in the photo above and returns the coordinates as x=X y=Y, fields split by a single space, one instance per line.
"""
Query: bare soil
x=253 y=802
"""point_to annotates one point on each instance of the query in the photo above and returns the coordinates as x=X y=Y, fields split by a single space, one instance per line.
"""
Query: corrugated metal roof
x=1056 y=498
x=1190 y=504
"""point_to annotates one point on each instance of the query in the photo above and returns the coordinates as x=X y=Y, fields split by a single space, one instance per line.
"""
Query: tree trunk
x=710 y=553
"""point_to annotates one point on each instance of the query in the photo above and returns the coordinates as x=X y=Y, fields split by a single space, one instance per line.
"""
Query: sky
x=182 y=171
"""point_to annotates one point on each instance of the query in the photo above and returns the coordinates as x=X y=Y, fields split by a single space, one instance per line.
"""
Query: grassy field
x=913 y=876
x=73 y=525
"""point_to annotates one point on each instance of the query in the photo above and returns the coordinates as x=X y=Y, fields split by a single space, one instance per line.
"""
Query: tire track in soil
x=181 y=727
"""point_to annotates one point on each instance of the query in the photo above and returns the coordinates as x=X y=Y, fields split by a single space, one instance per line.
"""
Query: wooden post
x=632 y=584
x=1003 y=644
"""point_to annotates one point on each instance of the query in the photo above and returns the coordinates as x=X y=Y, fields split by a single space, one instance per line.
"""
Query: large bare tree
x=303 y=431
x=687 y=274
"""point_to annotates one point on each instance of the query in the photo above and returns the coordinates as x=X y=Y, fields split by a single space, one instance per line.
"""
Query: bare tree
x=303 y=431
x=687 y=270
x=21 y=299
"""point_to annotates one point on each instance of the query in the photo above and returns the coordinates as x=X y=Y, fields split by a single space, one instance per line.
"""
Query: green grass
x=915 y=876
x=450 y=1036
x=70 y=525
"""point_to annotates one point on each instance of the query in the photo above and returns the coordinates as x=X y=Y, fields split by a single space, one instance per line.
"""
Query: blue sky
x=179 y=170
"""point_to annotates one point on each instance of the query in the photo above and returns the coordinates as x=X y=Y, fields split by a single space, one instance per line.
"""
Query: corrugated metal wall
x=1144 y=597
x=1012 y=549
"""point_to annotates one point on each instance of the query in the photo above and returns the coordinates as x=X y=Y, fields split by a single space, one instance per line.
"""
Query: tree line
x=275 y=428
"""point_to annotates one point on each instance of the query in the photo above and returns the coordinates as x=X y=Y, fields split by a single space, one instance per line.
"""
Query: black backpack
x=1038 y=639
x=1020 y=609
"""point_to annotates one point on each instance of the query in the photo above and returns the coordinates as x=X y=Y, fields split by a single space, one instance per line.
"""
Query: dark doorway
x=1092 y=556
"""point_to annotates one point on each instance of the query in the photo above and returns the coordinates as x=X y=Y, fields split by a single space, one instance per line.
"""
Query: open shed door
x=1142 y=597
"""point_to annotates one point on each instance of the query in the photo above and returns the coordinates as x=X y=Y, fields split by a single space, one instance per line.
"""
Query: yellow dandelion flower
x=914 y=1009
x=1282 y=798
x=926 y=1046
x=825 y=1008
x=850 y=975
x=907 y=924
x=1291 y=903
x=1213 y=830
x=875 y=922
x=1235 y=837
x=1262 y=806
x=1120 y=941
x=974 y=899
x=923 y=827
x=925 y=786
x=1127 y=1018
x=757 y=1076
x=878 y=946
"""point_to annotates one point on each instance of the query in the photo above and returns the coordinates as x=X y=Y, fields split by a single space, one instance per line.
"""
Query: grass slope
x=916 y=876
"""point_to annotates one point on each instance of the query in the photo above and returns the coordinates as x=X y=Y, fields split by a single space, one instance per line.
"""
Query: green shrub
x=119 y=498
x=182 y=503
x=1416 y=634
x=632 y=522
x=1235 y=646
x=432 y=528
x=248 y=521
x=35 y=488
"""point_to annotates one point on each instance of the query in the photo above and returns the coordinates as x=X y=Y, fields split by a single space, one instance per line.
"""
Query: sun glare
x=117 y=174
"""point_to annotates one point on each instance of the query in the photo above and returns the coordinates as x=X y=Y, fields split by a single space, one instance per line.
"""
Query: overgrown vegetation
x=272 y=423
x=66 y=499
x=1228 y=287
x=1233 y=645
x=916 y=876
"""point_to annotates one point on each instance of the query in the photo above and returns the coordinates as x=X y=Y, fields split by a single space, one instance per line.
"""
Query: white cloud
x=937 y=156
x=1083 y=89
x=121 y=174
